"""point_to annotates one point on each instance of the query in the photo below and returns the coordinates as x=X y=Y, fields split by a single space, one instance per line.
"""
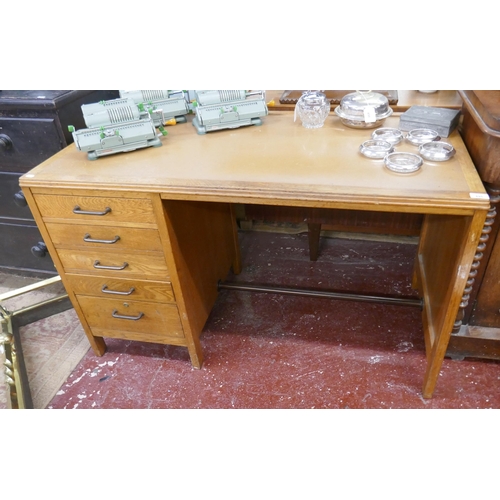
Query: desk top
x=278 y=163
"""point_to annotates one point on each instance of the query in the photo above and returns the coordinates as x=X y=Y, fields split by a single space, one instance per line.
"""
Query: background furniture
x=477 y=333
x=33 y=126
x=120 y=228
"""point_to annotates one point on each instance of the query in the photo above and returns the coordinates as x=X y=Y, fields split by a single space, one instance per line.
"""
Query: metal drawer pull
x=104 y=289
x=79 y=211
x=88 y=239
x=97 y=265
x=120 y=316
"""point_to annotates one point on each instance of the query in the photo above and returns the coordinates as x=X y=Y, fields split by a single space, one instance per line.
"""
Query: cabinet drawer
x=137 y=290
x=29 y=142
x=148 y=318
x=115 y=237
x=117 y=264
x=100 y=210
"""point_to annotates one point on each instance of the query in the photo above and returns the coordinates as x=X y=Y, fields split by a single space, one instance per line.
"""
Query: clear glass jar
x=312 y=108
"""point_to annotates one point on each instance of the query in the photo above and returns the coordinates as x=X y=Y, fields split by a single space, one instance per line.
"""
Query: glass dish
x=392 y=135
x=420 y=136
x=436 y=151
x=377 y=149
x=363 y=109
x=403 y=163
x=312 y=108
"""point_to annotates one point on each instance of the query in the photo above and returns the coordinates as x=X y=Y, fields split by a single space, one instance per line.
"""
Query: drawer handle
x=98 y=265
x=104 y=289
x=77 y=210
x=131 y=318
x=88 y=239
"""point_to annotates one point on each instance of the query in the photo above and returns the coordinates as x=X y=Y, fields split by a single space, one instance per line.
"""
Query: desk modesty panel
x=192 y=181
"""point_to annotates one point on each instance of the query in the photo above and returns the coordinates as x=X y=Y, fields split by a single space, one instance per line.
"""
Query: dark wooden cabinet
x=481 y=133
x=477 y=333
x=33 y=127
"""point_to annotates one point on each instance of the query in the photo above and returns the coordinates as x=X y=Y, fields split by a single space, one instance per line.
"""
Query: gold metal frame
x=14 y=367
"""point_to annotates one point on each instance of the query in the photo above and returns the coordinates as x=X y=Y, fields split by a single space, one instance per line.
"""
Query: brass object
x=10 y=321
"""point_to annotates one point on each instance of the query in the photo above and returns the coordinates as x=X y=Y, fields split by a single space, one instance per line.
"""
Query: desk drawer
x=147 y=265
x=148 y=319
x=137 y=290
x=112 y=237
x=98 y=209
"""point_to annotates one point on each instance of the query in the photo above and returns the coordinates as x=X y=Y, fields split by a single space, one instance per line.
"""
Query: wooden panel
x=139 y=265
x=156 y=338
x=123 y=210
x=153 y=291
x=487 y=308
x=442 y=281
x=340 y=220
x=441 y=235
x=202 y=257
x=67 y=235
x=154 y=319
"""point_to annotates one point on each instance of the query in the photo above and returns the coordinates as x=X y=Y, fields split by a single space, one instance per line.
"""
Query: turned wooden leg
x=483 y=249
x=314 y=231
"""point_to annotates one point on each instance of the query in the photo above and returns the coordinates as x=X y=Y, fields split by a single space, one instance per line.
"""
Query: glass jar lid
x=313 y=98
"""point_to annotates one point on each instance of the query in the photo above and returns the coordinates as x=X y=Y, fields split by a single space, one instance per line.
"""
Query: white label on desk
x=479 y=196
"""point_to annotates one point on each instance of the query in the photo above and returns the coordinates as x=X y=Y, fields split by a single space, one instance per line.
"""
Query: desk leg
x=236 y=266
x=446 y=251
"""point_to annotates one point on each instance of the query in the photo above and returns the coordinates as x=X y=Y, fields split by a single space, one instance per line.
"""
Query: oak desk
x=120 y=229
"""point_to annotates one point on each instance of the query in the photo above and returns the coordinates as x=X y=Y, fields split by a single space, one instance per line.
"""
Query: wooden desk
x=144 y=274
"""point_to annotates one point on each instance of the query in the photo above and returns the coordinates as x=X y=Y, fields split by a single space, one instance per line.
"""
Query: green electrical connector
x=71 y=128
x=162 y=130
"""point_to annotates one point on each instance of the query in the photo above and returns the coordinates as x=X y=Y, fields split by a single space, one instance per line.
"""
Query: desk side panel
x=201 y=248
x=445 y=256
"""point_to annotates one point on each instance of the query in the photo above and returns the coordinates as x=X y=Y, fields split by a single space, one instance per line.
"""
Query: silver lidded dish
x=376 y=149
x=420 y=136
x=403 y=163
x=363 y=109
x=436 y=151
x=392 y=135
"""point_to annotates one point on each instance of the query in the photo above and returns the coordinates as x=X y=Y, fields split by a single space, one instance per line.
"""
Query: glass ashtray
x=376 y=149
x=420 y=136
x=403 y=163
x=436 y=151
x=391 y=135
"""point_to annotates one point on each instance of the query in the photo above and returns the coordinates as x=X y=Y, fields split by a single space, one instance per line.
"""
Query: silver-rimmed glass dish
x=392 y=135
x=403 y=163
x=436 y=151
x=420 y=136
x=376 y=149
x=363 y=109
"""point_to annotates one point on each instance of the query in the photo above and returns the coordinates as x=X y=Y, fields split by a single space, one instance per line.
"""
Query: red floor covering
x=267 y=350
